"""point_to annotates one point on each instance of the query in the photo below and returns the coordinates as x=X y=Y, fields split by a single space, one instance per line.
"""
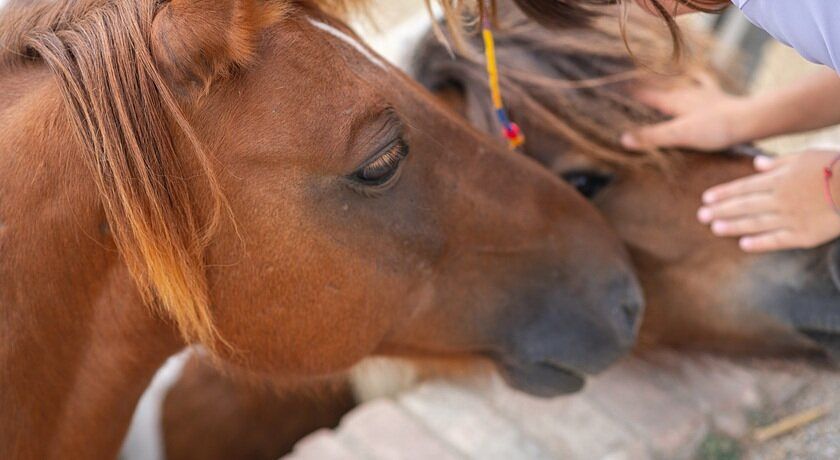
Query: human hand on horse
x=707 y=118
x=704 y=117
x=784 y=205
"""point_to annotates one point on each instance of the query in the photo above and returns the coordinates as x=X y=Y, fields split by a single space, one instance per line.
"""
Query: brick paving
x=662 y=405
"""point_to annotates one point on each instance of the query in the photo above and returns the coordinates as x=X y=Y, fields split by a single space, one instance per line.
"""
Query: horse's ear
x=196 y=41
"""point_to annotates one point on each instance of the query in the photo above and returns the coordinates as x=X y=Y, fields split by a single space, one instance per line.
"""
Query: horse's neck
x=77 y=346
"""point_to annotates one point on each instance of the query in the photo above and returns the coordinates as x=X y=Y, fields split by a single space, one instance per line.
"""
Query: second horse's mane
x=576 y=83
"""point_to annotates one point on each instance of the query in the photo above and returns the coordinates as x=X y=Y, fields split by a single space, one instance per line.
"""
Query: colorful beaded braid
x=510 y=130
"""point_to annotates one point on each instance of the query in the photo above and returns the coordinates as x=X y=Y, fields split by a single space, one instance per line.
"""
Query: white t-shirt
x=811 y=27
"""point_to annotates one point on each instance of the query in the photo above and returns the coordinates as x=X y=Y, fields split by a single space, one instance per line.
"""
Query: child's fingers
x=766 y=163
x=770 y=241
x=655 y=98
x=740 y=206
x=760 y=223
x=706 y=80
x=756 y=183
x=667 y=134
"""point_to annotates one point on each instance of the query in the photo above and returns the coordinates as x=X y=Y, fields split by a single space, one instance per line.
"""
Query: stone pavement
x=662 y=405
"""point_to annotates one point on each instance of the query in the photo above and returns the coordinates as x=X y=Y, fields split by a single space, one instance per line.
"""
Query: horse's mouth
x=541 y=379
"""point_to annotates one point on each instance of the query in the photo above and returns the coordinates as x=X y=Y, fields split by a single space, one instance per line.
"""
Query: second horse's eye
x=383 y=168
x=588 y=183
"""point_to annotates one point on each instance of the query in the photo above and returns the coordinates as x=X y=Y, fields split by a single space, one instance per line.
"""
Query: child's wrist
x=744 y=120
x=767 y=115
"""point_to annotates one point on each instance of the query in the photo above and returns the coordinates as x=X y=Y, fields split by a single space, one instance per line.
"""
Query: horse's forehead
x=354 y=43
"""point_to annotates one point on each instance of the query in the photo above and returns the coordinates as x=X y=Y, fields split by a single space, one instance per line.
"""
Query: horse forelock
x=126 y=120
x=576 y=84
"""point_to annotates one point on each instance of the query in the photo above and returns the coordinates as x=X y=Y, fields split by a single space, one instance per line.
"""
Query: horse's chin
x=800 y=290
x=541 y=379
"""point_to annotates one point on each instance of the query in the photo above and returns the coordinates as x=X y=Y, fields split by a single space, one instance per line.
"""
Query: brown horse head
x=248 y=176
x=571 y=93
x=369 y=220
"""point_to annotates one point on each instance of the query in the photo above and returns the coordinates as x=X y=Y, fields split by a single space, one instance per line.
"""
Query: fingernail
x=718 y=227
x=745 y=243
x=704 y=215
x=708 y=197
x=763 y=161
x=629 y=141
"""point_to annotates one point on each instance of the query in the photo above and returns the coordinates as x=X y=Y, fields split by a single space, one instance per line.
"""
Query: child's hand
x=705 y=118
x=782 y=207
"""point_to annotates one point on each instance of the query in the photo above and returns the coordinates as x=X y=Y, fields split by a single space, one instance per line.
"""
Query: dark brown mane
x=574 y=83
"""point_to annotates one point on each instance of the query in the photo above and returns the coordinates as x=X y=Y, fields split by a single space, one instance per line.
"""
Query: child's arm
x=811 y=103
x=706 y=118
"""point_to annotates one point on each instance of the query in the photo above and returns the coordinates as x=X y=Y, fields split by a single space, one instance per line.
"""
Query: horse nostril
x=631 y=311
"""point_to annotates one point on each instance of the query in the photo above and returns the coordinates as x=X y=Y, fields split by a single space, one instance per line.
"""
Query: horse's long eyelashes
x=383 y=168
x=386 y=162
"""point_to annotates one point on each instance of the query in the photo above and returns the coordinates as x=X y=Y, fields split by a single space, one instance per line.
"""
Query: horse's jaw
x=802 y=289
x=823 y=325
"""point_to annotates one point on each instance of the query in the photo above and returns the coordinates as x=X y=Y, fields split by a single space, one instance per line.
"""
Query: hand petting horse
x=247 y=176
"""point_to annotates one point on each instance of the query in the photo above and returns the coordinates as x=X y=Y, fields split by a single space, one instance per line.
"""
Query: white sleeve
x=811 y=27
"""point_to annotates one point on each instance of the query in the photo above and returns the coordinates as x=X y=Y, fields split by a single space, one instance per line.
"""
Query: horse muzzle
x=565 y=339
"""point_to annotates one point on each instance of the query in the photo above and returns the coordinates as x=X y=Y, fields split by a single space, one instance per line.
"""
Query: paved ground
x=817 y=441
x=663 y=405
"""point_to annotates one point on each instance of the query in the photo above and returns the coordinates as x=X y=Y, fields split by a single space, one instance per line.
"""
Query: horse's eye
x=381 y=169
x=588 y=183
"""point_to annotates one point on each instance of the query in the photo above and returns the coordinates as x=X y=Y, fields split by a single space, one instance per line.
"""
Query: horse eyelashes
x=384 y=167
x=387 y=161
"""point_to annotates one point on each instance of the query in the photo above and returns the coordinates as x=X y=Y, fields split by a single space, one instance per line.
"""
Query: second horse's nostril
x=631 y=312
